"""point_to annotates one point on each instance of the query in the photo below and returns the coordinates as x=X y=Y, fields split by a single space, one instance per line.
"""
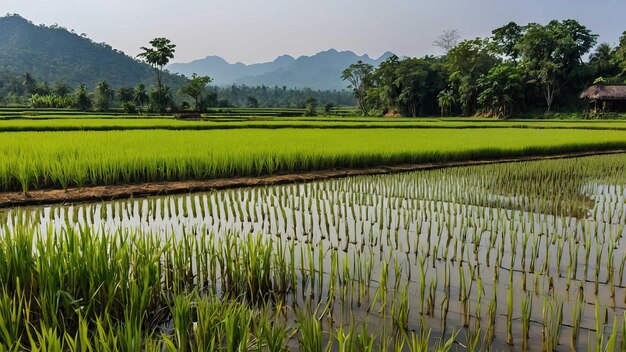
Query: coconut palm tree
x=602 y=60
x=141 y=96
x=445 y=98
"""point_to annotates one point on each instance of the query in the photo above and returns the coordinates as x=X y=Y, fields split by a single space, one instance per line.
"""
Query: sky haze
x=252 y=31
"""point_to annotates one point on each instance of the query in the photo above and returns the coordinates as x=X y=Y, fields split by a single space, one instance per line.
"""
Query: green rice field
x=35 y=160
x=90 y=123
x=523 y=256
x=75 y=121
x=520 y=256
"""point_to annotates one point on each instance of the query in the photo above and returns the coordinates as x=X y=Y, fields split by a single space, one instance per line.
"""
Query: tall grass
x=71 y=159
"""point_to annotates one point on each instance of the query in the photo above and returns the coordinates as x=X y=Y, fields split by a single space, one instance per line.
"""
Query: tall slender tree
x=160 y=52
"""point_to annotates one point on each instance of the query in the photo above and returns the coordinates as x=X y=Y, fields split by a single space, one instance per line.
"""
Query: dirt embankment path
x=101 y=193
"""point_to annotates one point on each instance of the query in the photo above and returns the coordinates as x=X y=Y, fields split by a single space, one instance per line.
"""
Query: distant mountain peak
x=321 y=70
x=385 y=56
x=284 y=58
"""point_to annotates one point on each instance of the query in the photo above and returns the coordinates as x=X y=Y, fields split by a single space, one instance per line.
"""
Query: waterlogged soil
x=550 y=233
x=102 y=193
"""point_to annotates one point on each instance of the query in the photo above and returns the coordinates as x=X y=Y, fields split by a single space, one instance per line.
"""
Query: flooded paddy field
x=519 y=256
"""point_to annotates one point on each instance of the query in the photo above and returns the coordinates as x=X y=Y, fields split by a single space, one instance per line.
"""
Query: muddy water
x=559 y=246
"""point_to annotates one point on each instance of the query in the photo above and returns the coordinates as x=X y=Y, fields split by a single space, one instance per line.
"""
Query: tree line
x=197 y=94
x=26 y=90
x=518 y=69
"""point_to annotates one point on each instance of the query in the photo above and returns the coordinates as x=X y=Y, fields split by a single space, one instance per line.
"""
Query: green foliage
x=140 y=97
x=161 y=100
x=252 y=102
x=53 y=53
x=328 y=107
x=499 y=76
x=160 y=52
x=82 y=98
x=268 y=97
x=446 y=100
x=619 y=56
x=602 y=61
x=311 y=107
x=195 y=89
x=125 y=95
x=552 y=54
x=408 y=86
x=29 y=83
x=129 y=107
x=501 y=90
x=51 y=101
x=14 y=91
x=467 y=62
x=103 y=97
x=505 y=40
x=359 y=77
x=61 y=88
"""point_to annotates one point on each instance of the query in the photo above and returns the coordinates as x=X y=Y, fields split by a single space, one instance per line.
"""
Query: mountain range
x=320 y=71
x=54 y=53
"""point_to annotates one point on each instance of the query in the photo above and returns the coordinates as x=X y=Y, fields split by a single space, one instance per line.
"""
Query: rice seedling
x=400 y=310
x=552 y=312
x=473 y=339
x=310 y=332
x=272 y=267
x=527 y=304
x=509 y=312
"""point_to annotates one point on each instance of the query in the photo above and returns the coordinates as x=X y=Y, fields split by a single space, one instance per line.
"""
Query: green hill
x=56 y=54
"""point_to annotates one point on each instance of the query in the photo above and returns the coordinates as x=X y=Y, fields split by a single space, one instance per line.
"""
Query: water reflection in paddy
x=463 y=248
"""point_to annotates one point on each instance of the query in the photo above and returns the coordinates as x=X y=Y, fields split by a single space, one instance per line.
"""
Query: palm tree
x=602 y=59
x=602 y=53
x=141 y=96
x=445 y=98
x=104 y=95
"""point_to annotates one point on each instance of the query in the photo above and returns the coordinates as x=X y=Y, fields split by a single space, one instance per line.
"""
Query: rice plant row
x=526 y=256
x=112 y=123
x=35 y=160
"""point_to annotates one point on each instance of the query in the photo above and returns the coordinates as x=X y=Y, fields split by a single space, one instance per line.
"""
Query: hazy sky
x=259 y=30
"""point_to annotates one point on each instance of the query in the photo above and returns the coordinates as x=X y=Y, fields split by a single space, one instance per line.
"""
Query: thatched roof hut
x=604 y=92
x=607 y=97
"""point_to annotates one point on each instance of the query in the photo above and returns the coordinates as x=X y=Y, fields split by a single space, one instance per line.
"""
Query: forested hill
x=56 y=54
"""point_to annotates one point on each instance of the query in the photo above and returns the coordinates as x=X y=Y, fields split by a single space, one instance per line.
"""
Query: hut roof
x=604 y=92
